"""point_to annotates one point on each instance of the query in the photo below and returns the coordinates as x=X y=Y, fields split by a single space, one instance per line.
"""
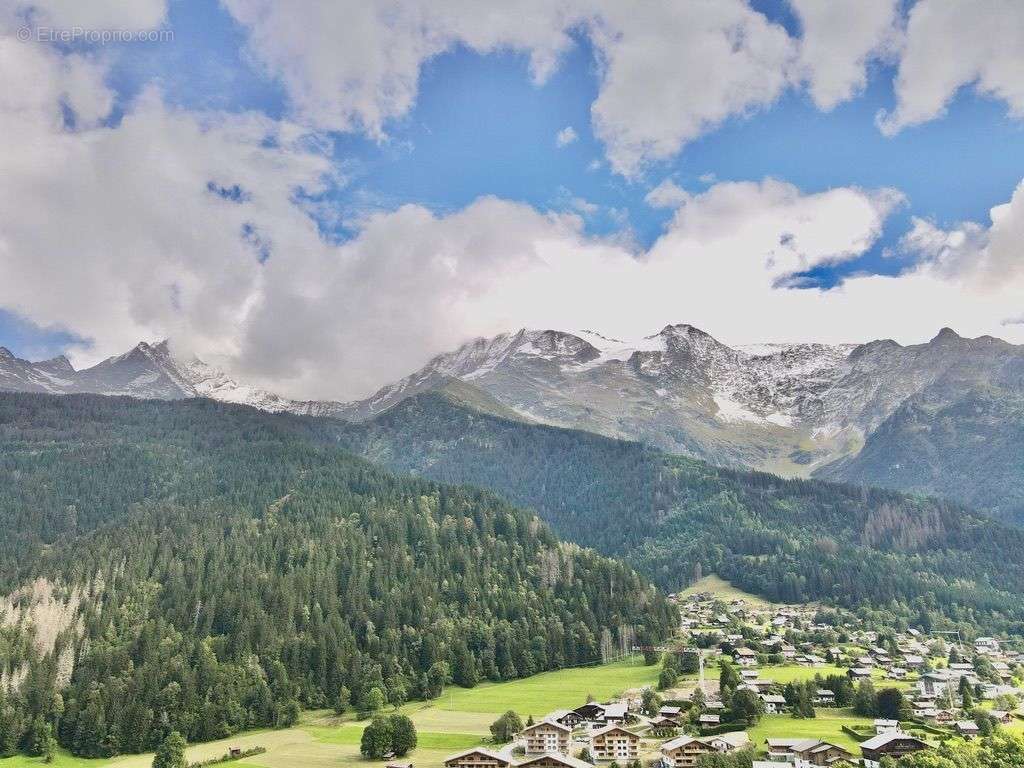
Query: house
x=773 y=703
x=664 y=723
x=567 y=717
x=967 y=728
x=590 y=712
x=552 y=760
x=933 y=684
x=709 y=721
x=670 y=711
x=858 y=673
x=882 y=725
x=1001 y=716
x=684 y=751
x=823 y=697
x=745 y=657
x=613 y=742
x=602 y=713
x=893 y=744
x=477 y=757
x=806 y=753
x=546 y=737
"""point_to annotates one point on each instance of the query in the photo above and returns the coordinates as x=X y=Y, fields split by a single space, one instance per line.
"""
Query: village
x=776 y=686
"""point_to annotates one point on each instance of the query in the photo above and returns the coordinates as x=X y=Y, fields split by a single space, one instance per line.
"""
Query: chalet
x=823 y=697
x=944 y=717
x=882 y=725
x=745 y=657
x=967 y=728
x=859 y=673
x=670 y=711
x=773 y=703
x=602 y=713
x=709 y=721
x=684 y=751
x=913 y=661
x=566 y=717
x=613 y=742
x=897 y=673
x=552 y=760
x=660 y=723
x=477 y=757
x=545 y=737
x=933 y=684
x=591 y=712
x=1001 y=716
x=806 y=753
x=893 y=744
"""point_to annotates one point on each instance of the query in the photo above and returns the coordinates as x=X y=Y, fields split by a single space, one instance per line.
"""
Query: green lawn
x=826 y=726
x=63 y=760
x=542 y=693
x=723 y=589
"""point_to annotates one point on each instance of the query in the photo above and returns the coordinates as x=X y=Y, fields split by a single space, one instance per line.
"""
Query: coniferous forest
x=206 y=568
x=891 y=556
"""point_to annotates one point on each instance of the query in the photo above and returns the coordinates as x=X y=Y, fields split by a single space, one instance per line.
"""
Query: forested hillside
x=907 y=558
x=971 y=450
x=206 y=568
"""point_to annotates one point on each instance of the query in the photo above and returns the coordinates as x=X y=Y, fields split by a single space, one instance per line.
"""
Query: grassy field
x=540 y=694
x=828 y=725
x=721 y=588
x=459 y=719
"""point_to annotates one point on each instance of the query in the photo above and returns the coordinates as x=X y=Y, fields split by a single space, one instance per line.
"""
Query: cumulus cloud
x=955 y=43
x=667 y=194
x=985 y=255
x=189 y=225
x=838 y=39
x=669 y=71
x=566 y=136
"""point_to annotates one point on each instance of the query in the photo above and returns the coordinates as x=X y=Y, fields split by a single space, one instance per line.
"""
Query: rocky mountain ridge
x=789 y=408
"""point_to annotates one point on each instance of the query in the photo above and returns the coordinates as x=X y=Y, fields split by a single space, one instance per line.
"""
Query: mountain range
x=946 y=416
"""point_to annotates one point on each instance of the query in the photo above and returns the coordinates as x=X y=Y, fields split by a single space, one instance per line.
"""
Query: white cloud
x=838 y=39
x=154 y=227
x=955 y=43
x=984 y=256
x=669 y=71
x=667 y=194
x=566 y=136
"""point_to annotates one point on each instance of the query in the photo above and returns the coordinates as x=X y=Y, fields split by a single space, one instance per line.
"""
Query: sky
x=320 y=196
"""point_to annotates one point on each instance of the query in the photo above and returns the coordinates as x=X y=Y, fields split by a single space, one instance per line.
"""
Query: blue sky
x=481 y=126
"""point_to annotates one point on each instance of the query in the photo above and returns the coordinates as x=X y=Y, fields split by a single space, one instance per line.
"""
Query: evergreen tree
x=864 y=699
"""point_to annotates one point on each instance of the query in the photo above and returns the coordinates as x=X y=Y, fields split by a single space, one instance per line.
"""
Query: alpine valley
x=944 y=417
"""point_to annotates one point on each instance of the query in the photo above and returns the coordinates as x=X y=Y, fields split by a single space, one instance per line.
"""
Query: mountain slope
x=672 y=517
x=793 y=409
x=203 y=567
x=969 y=448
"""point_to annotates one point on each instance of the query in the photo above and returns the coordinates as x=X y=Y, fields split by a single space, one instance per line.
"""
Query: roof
x=879 y=741
x=612 y=727
x=567 y=760
x=550 y=723
x=475 y=750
